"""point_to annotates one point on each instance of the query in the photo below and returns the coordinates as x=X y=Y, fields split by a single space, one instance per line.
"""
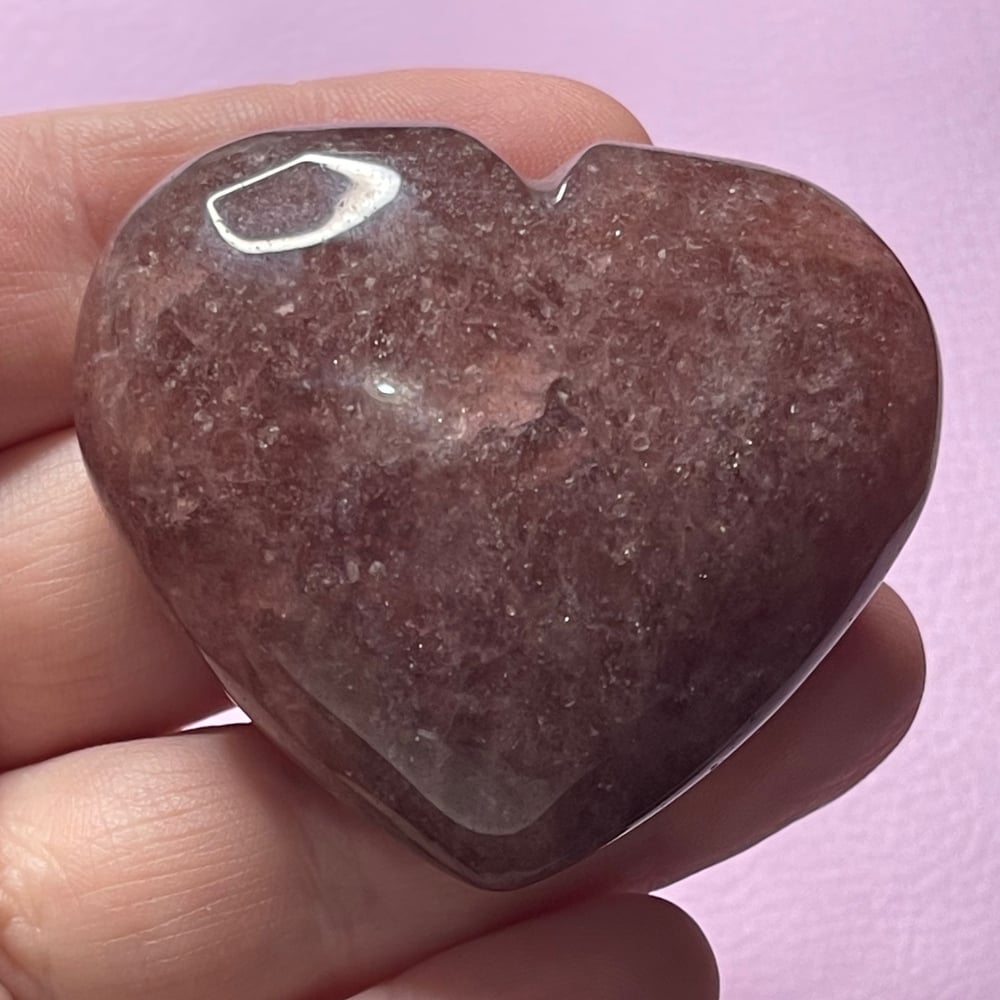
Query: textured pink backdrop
x=893 y=105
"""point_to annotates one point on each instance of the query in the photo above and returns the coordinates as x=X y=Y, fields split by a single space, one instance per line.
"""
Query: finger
x=85 y=653
x=205 y=859
x=614 y=948
x=69 y=177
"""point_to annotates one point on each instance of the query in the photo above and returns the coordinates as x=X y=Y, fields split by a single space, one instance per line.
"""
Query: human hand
x=137 y=861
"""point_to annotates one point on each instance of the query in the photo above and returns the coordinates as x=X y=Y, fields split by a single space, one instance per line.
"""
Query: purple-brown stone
x=506 y=509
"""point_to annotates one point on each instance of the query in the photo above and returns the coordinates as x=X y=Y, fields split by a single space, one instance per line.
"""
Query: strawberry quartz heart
x=505 y=509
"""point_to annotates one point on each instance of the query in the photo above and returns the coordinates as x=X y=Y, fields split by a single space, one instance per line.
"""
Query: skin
x=138 y=861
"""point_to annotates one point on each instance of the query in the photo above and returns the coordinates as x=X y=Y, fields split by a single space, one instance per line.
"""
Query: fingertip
x=688 y=962
x=624 y=947
x=534 y=120
x=886 y=633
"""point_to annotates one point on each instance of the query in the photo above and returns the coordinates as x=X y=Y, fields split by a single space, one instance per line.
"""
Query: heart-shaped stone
x=507 y=509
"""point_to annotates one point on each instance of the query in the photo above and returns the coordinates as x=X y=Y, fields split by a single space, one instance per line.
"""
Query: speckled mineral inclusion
x=504 y=509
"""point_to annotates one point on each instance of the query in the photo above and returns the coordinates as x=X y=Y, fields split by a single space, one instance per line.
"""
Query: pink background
x=893 y=105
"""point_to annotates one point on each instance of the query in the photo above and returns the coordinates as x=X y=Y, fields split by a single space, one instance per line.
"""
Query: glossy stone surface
x=505 y=509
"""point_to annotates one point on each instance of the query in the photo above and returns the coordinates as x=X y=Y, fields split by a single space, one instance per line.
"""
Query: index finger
x=70 y=177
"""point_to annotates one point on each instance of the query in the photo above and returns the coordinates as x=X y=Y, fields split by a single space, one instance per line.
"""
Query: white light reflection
x=372 y=186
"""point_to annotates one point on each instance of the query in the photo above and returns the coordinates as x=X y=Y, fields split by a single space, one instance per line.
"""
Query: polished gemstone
x=506 y=509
